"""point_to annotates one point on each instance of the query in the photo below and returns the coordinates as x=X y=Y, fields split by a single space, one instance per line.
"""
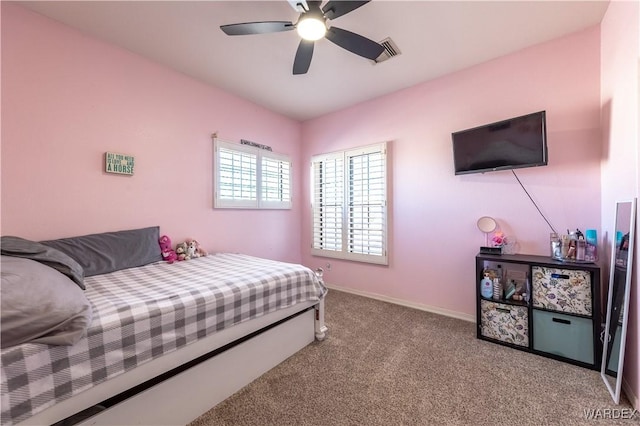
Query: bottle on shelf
x=581 y=248
x=591 y=251
x=554 y=240
x=486 y=286
x=497 y=289
x=565 y=244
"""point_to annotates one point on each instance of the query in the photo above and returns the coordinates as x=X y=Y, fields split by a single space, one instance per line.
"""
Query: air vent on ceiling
x=390 y=50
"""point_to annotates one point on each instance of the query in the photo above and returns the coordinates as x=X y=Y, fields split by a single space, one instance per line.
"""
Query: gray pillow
x=112 y=251
x=19 y=247
x=40 y=305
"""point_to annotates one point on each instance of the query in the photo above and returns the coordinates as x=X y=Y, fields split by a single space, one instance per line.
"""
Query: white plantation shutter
x=350 y=204
x=328 y=194
x=236 y=172
x=249 y=177
x=367 y=203
x=276 y=182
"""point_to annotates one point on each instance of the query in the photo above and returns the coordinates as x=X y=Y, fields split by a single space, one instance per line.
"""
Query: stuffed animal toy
x=194 y=249
x=191 y=249
x=181 y=251
x=168 y=254
x=201 y=250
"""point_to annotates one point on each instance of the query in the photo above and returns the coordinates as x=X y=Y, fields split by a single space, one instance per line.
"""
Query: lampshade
x=311 y=28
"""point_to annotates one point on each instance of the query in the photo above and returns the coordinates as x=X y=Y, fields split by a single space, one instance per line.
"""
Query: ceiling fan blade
x=335 y=9
x=314 y=4
x=303 y=57
x=257 y=27
x=355 y=43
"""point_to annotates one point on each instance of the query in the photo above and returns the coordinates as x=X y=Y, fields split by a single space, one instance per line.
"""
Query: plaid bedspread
x=142 y=313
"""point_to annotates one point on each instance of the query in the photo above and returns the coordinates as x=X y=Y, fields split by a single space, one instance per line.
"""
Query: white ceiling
x=435 y=38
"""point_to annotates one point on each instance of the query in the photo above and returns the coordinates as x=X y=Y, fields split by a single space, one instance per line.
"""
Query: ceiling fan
x=312 y=26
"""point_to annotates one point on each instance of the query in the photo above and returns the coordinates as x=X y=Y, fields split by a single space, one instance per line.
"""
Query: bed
x=155 y=343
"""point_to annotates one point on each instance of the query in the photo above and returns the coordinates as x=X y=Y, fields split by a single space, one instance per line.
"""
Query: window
x=349 y=204
x=250 y=178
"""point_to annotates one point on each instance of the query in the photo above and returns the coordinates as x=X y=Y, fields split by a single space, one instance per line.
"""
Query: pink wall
x=68 y=98
x=620 y=50
x=433 y=235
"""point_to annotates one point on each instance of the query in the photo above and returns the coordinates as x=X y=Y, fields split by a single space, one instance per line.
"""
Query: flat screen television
x=508 y=144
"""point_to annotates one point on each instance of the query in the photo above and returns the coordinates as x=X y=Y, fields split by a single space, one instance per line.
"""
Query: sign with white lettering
x=121 y=164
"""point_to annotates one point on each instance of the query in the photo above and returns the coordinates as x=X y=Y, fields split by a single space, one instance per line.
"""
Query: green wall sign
x=121 y=164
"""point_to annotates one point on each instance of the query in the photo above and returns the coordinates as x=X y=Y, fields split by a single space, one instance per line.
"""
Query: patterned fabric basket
x=562 y=290
x=506 y=323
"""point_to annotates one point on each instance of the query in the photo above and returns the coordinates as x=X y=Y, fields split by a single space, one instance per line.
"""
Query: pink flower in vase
x=499 y=239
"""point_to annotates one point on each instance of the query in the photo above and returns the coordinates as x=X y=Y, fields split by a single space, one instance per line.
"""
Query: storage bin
x=564 y=335
x=562 y=290
x=506 y=323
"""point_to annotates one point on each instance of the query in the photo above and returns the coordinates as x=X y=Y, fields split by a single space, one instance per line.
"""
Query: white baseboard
x=419 y=306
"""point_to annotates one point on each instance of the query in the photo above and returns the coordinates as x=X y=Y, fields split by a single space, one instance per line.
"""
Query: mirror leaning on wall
x=618 y=297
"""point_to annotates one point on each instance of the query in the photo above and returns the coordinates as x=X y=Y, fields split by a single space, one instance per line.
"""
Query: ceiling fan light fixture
x=313 y=25
x=311 y=28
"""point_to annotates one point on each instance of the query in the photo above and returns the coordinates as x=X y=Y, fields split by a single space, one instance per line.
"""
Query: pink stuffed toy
x=168 y=254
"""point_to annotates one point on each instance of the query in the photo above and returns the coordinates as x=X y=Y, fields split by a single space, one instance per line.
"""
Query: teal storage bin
x=564 y=335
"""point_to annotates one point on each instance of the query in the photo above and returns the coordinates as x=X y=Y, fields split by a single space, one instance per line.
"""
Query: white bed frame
x=185 y=396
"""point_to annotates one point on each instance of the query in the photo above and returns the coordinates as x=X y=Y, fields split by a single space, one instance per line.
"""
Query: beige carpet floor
x=384 y=364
